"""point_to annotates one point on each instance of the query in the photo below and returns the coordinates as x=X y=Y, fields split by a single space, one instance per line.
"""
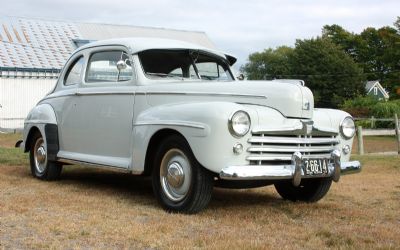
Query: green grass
x=389 y=161
x=13 y=156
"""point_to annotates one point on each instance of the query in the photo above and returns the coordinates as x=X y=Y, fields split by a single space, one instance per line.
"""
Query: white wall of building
x=18 y=96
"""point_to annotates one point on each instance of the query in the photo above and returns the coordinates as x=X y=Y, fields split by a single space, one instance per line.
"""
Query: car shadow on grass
x=107 y=181
x=138 y=189
x=133 y=186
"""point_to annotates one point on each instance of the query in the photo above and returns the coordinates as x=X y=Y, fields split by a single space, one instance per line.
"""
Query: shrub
x=366 y=107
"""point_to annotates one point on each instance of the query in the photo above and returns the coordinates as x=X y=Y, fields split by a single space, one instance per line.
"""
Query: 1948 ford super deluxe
x=175 y=111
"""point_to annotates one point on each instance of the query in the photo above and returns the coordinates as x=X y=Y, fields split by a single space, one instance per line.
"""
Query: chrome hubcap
x=40 y=156
x=175 y=175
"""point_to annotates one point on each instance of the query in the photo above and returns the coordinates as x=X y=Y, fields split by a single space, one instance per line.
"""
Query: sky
x=237 y=27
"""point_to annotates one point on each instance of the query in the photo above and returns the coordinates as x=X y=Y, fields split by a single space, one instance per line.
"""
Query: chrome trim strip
x=172 y=123
x=294 y=140
x=297 y=129
x=326 y=130
x=57 y=96
x=284 y=157
x=201 y=94
x=90 y=164
x=294 y=129
x=88 y=94
x=289 y=149
x=105 y=93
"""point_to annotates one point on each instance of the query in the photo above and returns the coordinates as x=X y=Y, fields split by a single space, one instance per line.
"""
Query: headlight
x=239 y=123
x=347 y=127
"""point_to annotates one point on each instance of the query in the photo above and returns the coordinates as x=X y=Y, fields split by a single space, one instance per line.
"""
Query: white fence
x=18 y=95
x=378 y=132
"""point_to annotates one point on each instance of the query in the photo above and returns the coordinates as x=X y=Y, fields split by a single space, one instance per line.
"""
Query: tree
x=379 y=55
x=328 y=71
x=341 y=37
x=397 y=24
x=377 y=51
x=269 y=64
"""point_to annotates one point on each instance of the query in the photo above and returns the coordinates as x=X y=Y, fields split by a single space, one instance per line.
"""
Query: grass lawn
x=375 y=144
x=90 y=208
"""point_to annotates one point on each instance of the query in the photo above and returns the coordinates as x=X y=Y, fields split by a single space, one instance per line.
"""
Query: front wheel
x=310 y=190
x=180 y=183
x=41 y=167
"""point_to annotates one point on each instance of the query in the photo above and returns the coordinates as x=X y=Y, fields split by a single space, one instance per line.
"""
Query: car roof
x=138 y=44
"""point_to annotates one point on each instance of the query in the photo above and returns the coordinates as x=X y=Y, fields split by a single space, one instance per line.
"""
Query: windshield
x=184 y=64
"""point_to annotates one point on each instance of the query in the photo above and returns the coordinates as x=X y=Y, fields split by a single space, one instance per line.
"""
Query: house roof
x=42 y=44
x=371 y=84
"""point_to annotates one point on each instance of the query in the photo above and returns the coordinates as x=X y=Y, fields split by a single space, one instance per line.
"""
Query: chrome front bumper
x=293 y=171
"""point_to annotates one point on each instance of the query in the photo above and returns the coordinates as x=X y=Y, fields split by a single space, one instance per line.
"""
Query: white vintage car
x=175 y=111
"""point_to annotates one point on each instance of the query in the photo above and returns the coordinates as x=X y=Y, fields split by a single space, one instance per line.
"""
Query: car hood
x=292 y=100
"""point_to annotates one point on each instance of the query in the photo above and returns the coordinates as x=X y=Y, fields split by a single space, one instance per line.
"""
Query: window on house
x=375 y=90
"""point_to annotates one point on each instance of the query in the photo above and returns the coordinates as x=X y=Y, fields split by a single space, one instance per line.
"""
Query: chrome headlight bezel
x=233 y=123
x=347 y=131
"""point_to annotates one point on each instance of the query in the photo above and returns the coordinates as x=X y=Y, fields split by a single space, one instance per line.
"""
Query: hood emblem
x=306 y=105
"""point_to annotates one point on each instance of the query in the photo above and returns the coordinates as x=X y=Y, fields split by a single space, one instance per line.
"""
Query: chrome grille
x=271 y=149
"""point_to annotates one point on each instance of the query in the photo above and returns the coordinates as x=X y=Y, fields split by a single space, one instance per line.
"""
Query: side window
x=176 y=72
x=73 y=75
x=212 y=71
x=102 y=67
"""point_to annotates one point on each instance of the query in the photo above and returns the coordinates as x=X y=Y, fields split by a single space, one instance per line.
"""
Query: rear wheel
x=310 y=190
x=41 y=167
x=180 y=183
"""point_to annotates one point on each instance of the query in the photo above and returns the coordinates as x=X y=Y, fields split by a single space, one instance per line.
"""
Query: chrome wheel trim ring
x=175 y=175
x=40 y=156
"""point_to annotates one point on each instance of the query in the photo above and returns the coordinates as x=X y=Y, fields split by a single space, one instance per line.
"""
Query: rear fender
x=42 y=119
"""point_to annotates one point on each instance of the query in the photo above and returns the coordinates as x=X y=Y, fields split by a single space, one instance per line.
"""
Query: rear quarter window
x=74 y=72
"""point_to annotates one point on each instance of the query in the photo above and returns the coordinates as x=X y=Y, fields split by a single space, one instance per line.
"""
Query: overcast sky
x=237 y=27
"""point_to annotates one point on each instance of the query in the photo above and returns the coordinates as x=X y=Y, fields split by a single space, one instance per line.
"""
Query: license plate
x=315 y=166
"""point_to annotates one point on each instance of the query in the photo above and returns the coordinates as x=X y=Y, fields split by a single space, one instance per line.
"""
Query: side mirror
x=240 y=77
x=121 y=64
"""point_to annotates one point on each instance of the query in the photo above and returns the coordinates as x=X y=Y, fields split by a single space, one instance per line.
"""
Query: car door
x=102 y=119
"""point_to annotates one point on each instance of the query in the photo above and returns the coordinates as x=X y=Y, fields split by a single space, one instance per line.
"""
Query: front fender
x=336 y=117
x=204 y=125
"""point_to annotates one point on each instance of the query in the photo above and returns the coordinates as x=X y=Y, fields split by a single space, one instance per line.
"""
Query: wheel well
x=152 y=146
x=28 y=142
